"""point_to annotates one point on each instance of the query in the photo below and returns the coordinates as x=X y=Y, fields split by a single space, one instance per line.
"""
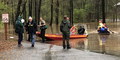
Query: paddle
x=112 y=31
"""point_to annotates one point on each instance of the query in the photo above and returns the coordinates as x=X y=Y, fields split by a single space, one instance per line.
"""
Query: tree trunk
x=13 y=21
x=116 y=10
x=35 y=11
x=51 y=16
x=18 y=9
x=57 y=15
x=30 y=7
x=103 y=11
x=24 y=17
x=39 y=8
x=97 y=3
x=71 y=12
x=113 y=18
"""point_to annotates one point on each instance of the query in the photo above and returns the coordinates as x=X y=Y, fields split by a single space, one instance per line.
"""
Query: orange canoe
x=59 y=36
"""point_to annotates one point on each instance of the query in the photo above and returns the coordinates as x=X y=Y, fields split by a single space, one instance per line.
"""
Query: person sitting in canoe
x=100 y=26
x=104 y=29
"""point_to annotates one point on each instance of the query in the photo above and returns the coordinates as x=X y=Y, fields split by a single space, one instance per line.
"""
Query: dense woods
x=53 y=11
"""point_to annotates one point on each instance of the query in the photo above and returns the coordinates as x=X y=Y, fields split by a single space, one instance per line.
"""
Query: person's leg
x=64 y=41
x=29 y=37
x=19 y=38
x=42 y=34
x=33 y=39
x=68 y=44
x=43 y=37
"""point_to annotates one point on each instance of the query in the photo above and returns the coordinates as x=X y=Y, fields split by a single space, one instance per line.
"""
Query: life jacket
x=102 y=29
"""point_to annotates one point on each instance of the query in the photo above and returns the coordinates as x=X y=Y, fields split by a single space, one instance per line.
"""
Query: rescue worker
x=106 y=28
x=31 y=29
x=65 y=29
x=42 y=28
x=100 y=26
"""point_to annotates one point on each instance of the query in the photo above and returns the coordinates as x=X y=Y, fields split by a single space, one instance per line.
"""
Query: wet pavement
x=43 y=51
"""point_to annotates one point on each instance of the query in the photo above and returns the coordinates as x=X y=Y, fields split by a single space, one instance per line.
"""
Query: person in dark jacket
x=81 y=30
x=19 y=25
x=29 y=34
x=65 y=29
x=31 y=29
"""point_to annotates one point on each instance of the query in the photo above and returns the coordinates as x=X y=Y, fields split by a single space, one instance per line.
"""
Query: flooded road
x=105 y=44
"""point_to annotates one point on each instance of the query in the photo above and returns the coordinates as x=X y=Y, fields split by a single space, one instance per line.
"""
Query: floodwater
x=105 y=44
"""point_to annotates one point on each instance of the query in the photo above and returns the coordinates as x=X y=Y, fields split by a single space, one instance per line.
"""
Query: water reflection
x=75 y=43
x=97 y=43
x=105 y=44
x=102 y=40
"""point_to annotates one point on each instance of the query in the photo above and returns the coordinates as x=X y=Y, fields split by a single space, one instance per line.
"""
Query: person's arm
x=20 y=24
x=44 y=23
x=61 y=27
x=25 y=26
x=39 y=24
x=69 y=25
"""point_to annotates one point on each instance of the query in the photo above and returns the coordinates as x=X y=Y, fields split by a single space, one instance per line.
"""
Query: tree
x=30 y=7
x=39 y=8
x=103 y=11
x=36 y=11
x=97 y=8
x=71 y=11
x=18 y=9
x=51 y=15
x=57 y=15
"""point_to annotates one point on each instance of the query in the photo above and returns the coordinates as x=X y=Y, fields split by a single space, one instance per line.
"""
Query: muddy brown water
x=105 y=44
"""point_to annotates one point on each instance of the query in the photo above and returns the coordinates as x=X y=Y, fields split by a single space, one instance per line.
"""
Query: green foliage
x=1 y=23
x=4 y=8
x=83 y=10
x=79 y=15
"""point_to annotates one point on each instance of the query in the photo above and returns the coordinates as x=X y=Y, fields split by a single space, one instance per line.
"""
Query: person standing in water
x=65 y=29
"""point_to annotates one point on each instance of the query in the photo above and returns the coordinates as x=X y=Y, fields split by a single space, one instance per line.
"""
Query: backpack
x=17 y=29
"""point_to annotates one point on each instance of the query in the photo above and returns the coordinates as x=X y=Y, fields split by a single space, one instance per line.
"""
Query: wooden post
x=5 y=31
